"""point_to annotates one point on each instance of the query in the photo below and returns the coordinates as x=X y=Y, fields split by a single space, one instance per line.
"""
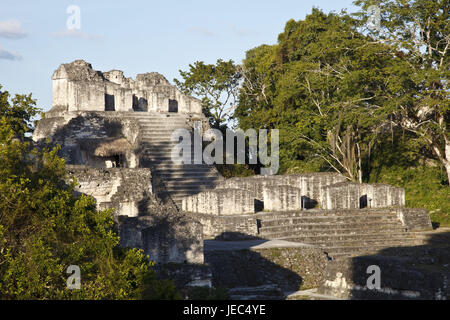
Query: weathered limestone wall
x=406 y=273
x=220 y=202
x=310 y=184
x=167 y=239
x=343 y=195
x=282 y=198
x=414 y=219
x=145 y=223
x=79 y=133
x=255 y=185
x=383 y=195
x=185 y=275
x=78 y=95
x=348 y=195
x=290 y=269
x=123 y=189
x=77 y=87
x=236 y=227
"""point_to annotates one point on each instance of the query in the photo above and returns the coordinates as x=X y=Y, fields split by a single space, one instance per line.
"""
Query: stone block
x=414 y=219
x=282 y=198
x=343 y=195
x=349 y=195
x=164 y=239
x=220 y=202
x=235 y=227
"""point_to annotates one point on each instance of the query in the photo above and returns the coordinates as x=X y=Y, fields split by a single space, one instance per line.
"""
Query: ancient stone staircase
x=340 y=233
x=180 y=180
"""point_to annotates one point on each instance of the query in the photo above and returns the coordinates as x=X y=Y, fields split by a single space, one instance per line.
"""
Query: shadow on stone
x=259 y=205
x=272 y=271
x=308 y=203
x=418 y=272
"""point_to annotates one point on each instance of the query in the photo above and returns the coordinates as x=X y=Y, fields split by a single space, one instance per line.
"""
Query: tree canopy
x=45 y=228
x=326 y=86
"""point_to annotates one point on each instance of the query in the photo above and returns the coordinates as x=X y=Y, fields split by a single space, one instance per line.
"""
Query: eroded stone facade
x=114 y=133
x=78 y=87
x=96 y=121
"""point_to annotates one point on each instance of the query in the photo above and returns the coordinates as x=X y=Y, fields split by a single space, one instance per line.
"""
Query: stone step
x=319 y=212
x=162 y=117
x=162 y=145
x=332 y=238
x=165 y=119
x=154 y=118
x=327 y=219
x=164 y=124
x=181 y=175
x=193 y=187
x=162 y=121
x=160 y=159
x=313 y=224
x=165 y=153
x=289 y=234
x=192 y=179
x=184 y=167
x=180 y=194
x=368 y=243
x=328 y=231
x=199 y=181
x=164 y=157
x=168 y=174
x=158 y=140
x=161 y=124
x=148 y=130
x=189 y=190
x=167 y=135
x=153 y=113
x=340 y=251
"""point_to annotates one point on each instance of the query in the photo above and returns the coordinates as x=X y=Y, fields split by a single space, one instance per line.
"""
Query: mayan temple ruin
x=116 y=136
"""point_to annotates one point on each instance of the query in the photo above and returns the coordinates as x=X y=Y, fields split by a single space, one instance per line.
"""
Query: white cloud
x=75 y=33
x=243 y=32
x=203 y=31
x=11 y=29
x=7 y=55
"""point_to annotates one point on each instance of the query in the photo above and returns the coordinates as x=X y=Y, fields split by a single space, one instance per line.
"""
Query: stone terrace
x=347 y=219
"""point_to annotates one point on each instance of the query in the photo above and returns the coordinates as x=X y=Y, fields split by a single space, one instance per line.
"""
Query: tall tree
x=324 y=85
x=44 y=228
x=419 y=30
x=217 y=85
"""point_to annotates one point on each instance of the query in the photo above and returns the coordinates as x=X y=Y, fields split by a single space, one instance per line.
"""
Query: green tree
x=44 y=228
x=419 y=31
x=216 y=85
x=324 y=85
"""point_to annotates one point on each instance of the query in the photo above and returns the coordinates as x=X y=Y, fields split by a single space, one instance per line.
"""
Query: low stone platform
x=346 y=232
x=285 y=270
x=419 y=272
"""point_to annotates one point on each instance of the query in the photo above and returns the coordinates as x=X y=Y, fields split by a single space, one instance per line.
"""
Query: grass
x=425 y=187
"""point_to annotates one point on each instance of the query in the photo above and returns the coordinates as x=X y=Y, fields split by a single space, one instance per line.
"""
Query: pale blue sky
x=136 y=36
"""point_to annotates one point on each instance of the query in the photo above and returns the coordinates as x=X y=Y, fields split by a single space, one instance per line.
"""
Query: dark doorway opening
x=110 y=104
x=118 y=161
x=173 y=105
x=308 y=203
x=363 y=202
x=140 y=104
